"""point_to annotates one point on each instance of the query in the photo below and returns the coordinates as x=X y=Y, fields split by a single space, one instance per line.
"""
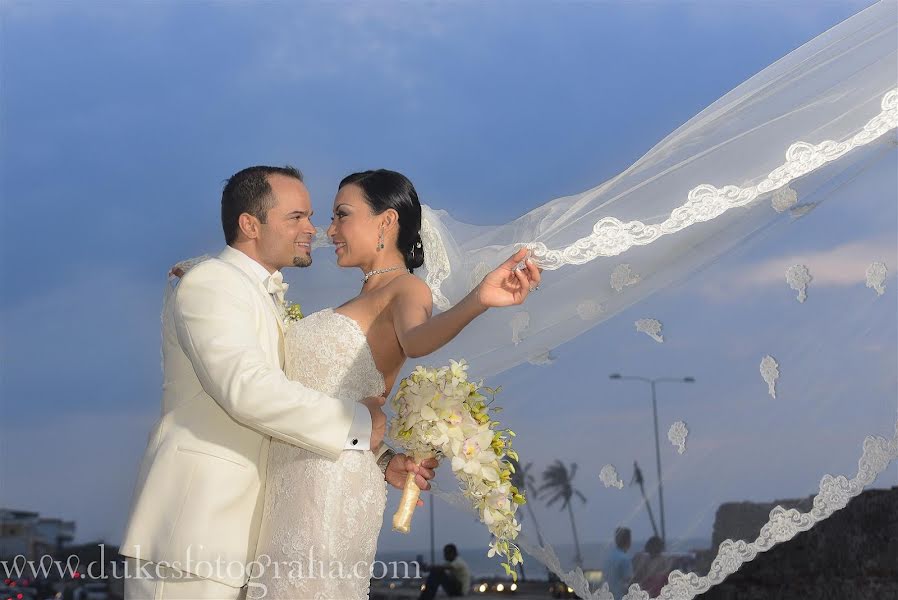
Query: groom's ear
x=249 y=225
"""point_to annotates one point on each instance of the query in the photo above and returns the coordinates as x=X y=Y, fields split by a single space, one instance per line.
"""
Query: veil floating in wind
x=758 y=243
x=765 y=228
x=772 y=149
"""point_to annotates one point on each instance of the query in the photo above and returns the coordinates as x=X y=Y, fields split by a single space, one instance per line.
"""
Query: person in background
x=651 y=571
x=453 y=575
x=618 y=566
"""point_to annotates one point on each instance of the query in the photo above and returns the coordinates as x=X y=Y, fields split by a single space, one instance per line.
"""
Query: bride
x=321 y=517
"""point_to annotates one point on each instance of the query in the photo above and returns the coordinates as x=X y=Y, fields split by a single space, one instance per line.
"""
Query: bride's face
x=354 y=230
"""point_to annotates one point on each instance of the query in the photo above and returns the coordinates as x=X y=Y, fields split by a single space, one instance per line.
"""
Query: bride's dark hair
x=385 y=189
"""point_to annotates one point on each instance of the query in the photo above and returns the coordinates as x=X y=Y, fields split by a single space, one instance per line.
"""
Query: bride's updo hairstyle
x=385 y=189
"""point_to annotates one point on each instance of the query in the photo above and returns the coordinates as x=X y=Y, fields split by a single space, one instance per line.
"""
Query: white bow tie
x=276 y=287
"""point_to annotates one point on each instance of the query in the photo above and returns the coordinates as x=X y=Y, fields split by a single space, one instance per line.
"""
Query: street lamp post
x=433 y=554
x=652 y=383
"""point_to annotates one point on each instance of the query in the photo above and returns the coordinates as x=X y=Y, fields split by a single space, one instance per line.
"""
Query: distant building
x=26 y=533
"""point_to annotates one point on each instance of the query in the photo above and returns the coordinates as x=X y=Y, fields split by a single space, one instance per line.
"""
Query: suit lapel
x=245 y=264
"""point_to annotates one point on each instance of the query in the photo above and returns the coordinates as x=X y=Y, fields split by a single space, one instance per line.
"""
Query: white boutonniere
x=293 y=312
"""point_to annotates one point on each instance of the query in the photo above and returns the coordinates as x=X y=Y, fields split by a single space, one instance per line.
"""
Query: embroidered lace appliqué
x=622 y=277
x=677 y=435
x=798 y=277
x=609 y=476
x=543 y=359
x=519 y=324
x=611 y=237
x=783 y=199
x=589 y=310
x=876 y=277
x=650 y=327
x=770 y=372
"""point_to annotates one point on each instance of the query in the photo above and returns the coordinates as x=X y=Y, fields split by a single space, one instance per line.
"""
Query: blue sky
x=119 y=122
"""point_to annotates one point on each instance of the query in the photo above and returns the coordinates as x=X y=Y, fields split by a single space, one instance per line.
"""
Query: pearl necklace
x=371 y=274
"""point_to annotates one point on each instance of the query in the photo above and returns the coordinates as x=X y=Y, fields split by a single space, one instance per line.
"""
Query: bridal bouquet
x=440 y=414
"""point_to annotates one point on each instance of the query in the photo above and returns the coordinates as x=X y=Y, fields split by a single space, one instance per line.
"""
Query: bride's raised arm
x=420 y=334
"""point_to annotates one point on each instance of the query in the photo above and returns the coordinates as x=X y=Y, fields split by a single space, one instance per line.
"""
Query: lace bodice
x=327 y=351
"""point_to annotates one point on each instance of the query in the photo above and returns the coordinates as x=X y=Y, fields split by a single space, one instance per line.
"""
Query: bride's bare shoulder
x=412 y=289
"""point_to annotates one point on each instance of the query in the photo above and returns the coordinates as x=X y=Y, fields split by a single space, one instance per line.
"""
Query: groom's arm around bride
x=199 y=495
x=217 y=328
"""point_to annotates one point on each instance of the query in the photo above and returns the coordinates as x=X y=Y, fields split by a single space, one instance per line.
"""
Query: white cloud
x=841 y=266
x=347 y=41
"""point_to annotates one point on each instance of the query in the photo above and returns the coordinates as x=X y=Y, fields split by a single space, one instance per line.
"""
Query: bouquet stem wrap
x=402 y=519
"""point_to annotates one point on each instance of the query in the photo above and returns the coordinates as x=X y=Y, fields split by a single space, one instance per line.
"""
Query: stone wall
x=853 y=555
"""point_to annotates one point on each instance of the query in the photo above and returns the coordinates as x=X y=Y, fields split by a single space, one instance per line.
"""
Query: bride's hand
x=375 y=405
x=507 y=285
x=401 y=465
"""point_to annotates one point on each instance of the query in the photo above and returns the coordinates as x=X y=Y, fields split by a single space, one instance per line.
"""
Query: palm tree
x=526 y=483
x=637 y=478
x=558 y=480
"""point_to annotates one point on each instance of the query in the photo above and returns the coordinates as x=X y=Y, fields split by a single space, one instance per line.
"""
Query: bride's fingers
x=425 y=473
x=430 y=463
x=522 y=279
x=534 y=272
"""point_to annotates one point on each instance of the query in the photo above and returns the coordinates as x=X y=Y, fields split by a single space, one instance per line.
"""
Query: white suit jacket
x=200 y=487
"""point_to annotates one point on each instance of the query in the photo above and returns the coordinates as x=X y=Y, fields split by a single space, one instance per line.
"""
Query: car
x=559 y=589
x=494 y=586
x=14 y=592
x=95 y=590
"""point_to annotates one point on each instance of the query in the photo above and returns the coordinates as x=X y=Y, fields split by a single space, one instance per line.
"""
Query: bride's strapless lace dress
x=322 y=517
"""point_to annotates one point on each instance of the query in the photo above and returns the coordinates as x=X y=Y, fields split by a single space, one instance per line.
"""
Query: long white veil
x=744 y=272
x=771 y=149
x=754 y=250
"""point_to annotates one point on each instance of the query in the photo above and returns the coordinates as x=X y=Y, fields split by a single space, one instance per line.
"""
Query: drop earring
x=380 y=241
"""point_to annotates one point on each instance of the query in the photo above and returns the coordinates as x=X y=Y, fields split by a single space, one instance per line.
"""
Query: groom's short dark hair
x=248 y=191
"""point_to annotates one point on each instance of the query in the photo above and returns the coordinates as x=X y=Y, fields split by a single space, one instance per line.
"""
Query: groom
x=197 y=505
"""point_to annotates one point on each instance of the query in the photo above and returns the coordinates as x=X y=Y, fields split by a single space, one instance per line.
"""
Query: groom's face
x=285 y=240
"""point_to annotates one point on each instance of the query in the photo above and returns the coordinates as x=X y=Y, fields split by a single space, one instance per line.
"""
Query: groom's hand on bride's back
x=378 y=419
